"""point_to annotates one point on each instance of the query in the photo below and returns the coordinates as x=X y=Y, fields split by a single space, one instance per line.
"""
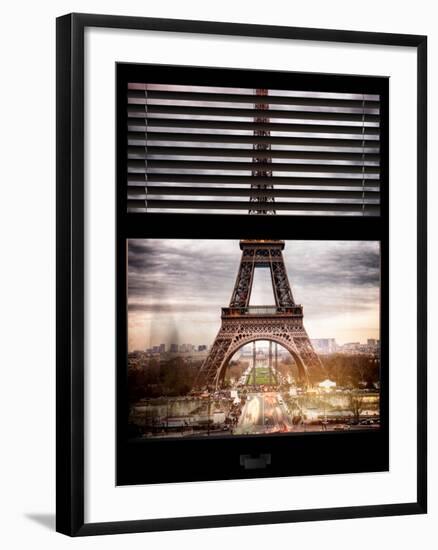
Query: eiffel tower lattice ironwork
x=242 y=323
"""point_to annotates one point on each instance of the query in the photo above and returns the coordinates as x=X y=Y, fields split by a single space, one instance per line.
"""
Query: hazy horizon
x=177 y=287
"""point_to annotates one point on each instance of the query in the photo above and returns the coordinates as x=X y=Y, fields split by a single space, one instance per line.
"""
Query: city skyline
x=175 y=347
x=176 y=289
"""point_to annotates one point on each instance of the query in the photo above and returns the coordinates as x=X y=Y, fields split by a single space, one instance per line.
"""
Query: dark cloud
x=352 y=265
x=166 y=308
x=172 y=269
x=179 y=286
x=178 y=270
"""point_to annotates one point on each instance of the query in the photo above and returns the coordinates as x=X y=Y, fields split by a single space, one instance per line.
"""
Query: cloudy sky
x=176 y=288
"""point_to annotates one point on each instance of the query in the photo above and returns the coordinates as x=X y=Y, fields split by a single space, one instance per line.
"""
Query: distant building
x=202 y=347
x=173 y=348
x=162 y=348
x=372 y=347
x=187 y=348
x=327 y=384
x=246 y=351
x=353 y=347
x=324 y=345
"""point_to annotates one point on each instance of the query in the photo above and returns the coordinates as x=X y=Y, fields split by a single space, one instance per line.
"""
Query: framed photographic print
x=241 y=274
x=208 y=375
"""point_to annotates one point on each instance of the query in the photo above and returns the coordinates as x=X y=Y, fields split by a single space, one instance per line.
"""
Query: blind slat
x=137 y=192
x=135 y=111
x=250 y=97
x=137 y=152
x=139 y=179
x=136 y=125
x=246 y=205
x=305 y=141
x=141 y=167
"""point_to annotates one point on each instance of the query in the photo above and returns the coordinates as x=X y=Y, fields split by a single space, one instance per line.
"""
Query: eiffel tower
x=242 y=323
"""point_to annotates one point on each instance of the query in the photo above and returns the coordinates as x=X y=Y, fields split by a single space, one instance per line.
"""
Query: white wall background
x=27 y=277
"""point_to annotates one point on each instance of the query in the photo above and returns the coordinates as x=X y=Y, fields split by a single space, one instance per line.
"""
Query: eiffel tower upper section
x=242 y=323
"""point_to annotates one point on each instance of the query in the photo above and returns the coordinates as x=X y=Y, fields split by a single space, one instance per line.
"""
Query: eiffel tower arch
x=242 y=323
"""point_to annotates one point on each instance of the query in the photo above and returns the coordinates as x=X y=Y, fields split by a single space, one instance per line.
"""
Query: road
x=263 y=413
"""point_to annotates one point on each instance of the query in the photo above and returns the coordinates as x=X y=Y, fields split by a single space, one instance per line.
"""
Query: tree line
x=171 y=378
x=176 y=377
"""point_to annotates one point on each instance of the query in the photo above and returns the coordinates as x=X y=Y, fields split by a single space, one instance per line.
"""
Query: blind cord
x=363 y=155
x=146 y=148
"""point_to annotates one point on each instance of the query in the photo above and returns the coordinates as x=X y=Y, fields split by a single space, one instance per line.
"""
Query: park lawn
x=262 y=376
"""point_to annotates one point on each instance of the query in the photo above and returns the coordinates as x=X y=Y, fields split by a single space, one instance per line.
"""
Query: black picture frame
x=218 y=458
x=70 y=273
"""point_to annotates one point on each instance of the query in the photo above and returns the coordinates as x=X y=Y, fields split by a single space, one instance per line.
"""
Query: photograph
x=252 y=337
x=241 y=259
x=255 y=336
x=252 y=273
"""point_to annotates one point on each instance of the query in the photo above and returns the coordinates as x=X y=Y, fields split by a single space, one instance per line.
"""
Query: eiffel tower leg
x=243 y=285
x=270 y=362
x=276 y=363
x=254 y=361
x=315 y=369
x=280 y=281
x=212 y=366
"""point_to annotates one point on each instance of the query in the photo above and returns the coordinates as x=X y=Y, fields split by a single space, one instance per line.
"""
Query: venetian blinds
x=199 y=149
